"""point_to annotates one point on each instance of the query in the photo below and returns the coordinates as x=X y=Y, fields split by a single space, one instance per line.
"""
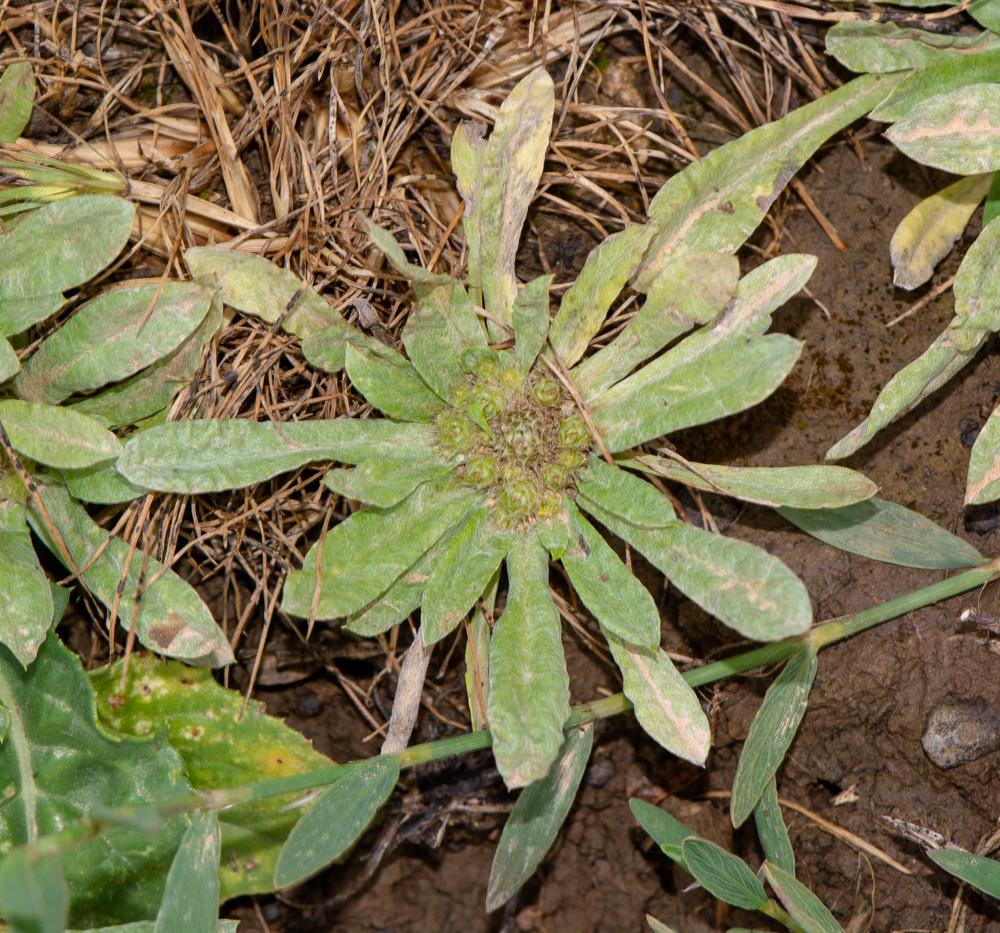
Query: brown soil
x=872 y=694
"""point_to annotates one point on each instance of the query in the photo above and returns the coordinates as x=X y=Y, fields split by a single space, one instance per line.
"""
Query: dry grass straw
x=268 y=127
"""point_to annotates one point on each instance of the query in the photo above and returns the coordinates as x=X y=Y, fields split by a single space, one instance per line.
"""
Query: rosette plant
x=509 y=441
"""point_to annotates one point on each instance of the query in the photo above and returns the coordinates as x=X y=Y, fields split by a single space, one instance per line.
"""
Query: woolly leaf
x=392 y=384
x=530 y=319
x=55 y=436
x=886 y=47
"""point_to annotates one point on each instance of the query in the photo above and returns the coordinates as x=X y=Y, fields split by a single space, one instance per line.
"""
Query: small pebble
x=961 y=730
x=969 y=428
x=271 y=912
x=309 y=704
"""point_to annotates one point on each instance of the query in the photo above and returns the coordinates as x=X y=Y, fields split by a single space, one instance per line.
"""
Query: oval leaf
x=805 y=909
x=885 y=47
x=666 y=831
x=723 y=874
x=17 y=91
x=981 y=872
x=57 y=437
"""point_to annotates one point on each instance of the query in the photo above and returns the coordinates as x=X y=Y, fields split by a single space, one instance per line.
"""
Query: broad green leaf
x=889 y=532
x=804 y=487
x=983 y=481
x=530 y=320
x=666 y=707
x=977 y=290
x=209 y=456
x=553 y=532
x=477 y=658
x=17 y=91
x=336 y=820
x=885 y=47
x=191 y=897
x=718 y=201
x=538 y=814
x=608 y=589
x=497 y=180
x=111 y=337
x=386 y=242
x=57 y=763
x=529 y=688
x=9 y=363
x=33 y=893
x=723 y=875
x=740 y=584
x=986 y=13
x=101 y=484
x=666 y=831
x=929 y=232
x=153 y=389
x=26 y=606
x=57 y=437
x=727 y=377
x=384 y=482
x=930 y=371
x=759 y=294
x=691 y=290
x=625 y=496
x=981 y=872
x=771 y=829
x=805 y=909
x=363 y=555
x=461 y=575
x=221 y=746
x=439 y=328
x=956 y=131
x=991 y=209
x=147 y=926
x=257 y=286
x=392 y=384
x=942 y=76
x=172 y=620
x=771 y=732
x=57 y=247
x=587 y=301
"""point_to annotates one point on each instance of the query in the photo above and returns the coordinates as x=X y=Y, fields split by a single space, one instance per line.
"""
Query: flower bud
x=481 y=471
x=554 y=475
x=546 y=392
x=457 y=432
x=573 y=433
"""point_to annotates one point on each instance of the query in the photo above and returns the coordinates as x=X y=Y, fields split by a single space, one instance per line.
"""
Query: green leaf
x=929 y=232
x=553 y=532
x=392 y=384
x=665 y=706
x=461 y=575
x=221 y=746
x=942 y=76
x=723 y=875
x=608 y=589
x=336 y=820
x=9 y=363
x=977 y=290
x=771 y=829
x=33 y=894
x=742 y=585
x=986 y=13
x=209 y=456
x=153 y=389
x=529 y=686
x=717 y=202
x=57 y=437
x=805 y=487
x=888 y=532
x=191 y=897
x=497 y=180
x=666 y=831
x=771 y=732
x=57 y=247
x=991 y=209
x=362 y=556
x=691 y=290
x=722 y=379
x=477 y=658
x=386 y=242
x=17 y=91
x=26 y=606
x=885 y=47
x=658 y=926
x=805 y=909
x=586 y=303
x=101 y=484
x=172 y=619
x=384 y=482
x=257 y=286
x=955 y=131
x=112 y=337
x=981 y=872
x=625 y=496
x=58 y=763
x=530 y=319
x=147 y=926
x=983 y=481
x=538 y=814
x=439 y=329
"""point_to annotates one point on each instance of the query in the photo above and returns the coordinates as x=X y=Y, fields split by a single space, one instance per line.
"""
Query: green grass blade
x=336 y=820
x=538 y=814
x=723 y=874
x=771 y=732
x=771 y=829
x=981 y=872
x=191 y=898
x=806 y=910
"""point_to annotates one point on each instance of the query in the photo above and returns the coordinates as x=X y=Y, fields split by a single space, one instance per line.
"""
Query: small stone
x=271 y=912
x=309 y=704
x=961 y=730
x=969 y=428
